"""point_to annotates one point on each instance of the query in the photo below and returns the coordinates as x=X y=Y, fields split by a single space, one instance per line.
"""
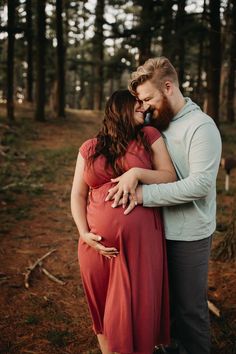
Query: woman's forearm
x=78 y=210
x=154 y=176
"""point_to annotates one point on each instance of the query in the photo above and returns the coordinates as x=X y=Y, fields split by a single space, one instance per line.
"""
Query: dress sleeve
x=87 y=148
x=152 y=134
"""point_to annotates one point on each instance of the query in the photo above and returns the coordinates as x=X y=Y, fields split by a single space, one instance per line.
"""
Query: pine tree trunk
x=40 y=60
x=60 y=61
x=232 y=68
x=214 y=70
x=180 y=20
x=29 y=36
x=167 y=43
x=82 y=71
x=98 y=41
x=145 y=35
x=199 y=94
x=10 y=60
x=91 y=89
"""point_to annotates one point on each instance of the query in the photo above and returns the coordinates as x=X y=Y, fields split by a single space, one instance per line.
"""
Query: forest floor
x=35 y=183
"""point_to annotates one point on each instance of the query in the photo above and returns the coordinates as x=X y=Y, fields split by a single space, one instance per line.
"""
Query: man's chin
x=160 y=123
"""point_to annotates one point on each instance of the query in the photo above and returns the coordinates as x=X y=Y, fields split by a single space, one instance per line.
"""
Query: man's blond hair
x=157 y=70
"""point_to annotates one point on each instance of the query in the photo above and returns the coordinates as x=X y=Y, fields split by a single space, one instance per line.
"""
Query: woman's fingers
x=94 y=241
x=117 y=198
x=111 y=192
x=114 y=180
x=109 y=251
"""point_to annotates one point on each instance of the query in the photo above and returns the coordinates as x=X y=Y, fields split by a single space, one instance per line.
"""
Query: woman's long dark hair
x=118 y=129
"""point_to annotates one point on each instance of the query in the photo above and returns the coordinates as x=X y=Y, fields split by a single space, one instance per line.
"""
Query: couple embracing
x=144 y=202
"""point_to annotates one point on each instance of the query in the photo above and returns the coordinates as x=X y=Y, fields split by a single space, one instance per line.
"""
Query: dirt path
x=35 y=218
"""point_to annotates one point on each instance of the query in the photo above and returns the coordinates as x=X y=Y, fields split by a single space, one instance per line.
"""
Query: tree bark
x=60 y=61
x=167 y=43
x=29 y=36
x=145 y=33
x=40 y=60
x=11 y=4
x=214 y=70
x=180 y=20
x=98 y=41
x=199 y=96
x=232 y=68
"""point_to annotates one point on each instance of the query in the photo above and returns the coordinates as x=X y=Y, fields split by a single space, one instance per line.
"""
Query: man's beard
x=165 y=115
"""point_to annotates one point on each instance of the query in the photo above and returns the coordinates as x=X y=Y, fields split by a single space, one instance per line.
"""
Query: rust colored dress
x=127 y=295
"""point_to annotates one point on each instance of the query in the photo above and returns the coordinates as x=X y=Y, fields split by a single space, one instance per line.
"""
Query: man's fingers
x=130 y=207
x=132 y=201
x=125 y=198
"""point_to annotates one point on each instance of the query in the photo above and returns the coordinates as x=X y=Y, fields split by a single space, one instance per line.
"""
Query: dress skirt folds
x=127 y=295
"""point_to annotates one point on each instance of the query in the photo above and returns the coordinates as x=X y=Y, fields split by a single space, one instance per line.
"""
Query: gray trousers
x=188 y=270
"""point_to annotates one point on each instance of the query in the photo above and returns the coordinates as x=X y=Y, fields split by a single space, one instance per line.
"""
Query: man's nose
x=146 y=106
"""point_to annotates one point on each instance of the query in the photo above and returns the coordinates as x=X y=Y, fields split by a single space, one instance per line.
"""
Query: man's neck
x=178 y=104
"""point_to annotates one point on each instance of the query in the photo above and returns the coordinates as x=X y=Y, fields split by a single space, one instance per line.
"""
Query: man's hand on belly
x=138 y=200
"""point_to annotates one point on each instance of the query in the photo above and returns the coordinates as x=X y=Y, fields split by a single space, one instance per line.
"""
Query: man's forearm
x=183 y=191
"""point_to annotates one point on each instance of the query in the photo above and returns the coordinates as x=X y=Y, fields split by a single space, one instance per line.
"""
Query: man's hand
x=93 y=241
x=133 y=203
x=125 y=189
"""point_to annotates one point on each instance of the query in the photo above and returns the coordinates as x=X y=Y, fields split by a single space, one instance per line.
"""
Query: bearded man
x=189 y=205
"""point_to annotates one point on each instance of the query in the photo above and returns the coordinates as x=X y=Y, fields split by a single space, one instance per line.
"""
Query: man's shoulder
x=197 y=118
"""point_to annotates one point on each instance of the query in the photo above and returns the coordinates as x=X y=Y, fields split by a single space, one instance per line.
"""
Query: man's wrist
x=139 y=194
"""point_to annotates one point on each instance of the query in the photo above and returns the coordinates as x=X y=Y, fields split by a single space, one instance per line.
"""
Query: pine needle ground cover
x=50 y=316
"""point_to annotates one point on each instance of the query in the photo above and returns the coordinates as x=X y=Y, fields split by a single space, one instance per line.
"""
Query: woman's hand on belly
x=93 y=241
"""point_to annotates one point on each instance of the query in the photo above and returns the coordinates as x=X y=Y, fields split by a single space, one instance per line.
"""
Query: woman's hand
x=94 y=241
x=125 y=188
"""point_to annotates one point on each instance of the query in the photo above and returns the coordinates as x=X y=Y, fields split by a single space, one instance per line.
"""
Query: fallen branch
x=33 y=266
x=50 y=276
x=21 y=184
x=213 y=308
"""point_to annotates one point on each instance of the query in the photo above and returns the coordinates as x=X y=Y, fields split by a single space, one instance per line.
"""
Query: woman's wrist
x=136 y=173
x=84 y=234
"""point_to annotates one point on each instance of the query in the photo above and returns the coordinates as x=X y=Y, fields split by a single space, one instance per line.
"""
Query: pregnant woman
x=125 y=274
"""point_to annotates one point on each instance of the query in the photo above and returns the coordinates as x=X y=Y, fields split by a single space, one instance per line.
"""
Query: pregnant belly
x=113 y=225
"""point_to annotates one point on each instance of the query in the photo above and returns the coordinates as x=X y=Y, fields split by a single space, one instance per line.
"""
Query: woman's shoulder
x=88 y=147
x=152 y=134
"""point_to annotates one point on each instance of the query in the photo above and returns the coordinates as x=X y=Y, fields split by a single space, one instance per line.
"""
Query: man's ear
x=168 y=88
